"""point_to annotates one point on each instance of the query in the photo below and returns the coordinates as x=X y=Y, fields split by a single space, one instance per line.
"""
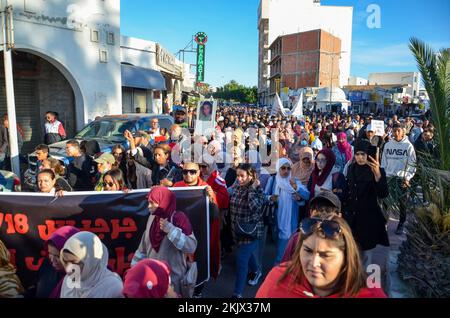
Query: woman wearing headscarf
x=52 y=273
x=168 y=236
x=289 y=193
x=10 y=286
x=367 y=184
x=149 y=279
x=326 y=177
x=85 y=259
x=343 y=151
x=302 y=170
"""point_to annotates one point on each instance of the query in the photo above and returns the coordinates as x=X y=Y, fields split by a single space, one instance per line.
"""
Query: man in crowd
x=399 y=162
x=80 y=170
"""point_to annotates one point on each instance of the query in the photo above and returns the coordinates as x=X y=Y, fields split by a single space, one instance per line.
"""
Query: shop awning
x=144 y=78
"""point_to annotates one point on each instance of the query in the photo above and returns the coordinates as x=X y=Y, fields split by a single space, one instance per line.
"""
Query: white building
x=70 y=58
x=357 y=81
x=281 y=17
x=412 y=79
x=331 y=100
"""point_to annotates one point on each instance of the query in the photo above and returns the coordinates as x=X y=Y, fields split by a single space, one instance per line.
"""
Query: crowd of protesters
x=324 y=175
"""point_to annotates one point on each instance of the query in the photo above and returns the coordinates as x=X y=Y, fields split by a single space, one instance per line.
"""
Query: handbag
x=189 y=280
x=246 y=230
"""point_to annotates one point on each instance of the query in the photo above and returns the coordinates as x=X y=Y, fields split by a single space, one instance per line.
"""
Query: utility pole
x=8 y=45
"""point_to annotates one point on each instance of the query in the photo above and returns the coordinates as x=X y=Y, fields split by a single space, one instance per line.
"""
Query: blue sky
x=231 y=25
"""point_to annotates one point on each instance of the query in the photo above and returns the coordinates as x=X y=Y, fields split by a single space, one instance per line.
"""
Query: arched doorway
x=39 y=87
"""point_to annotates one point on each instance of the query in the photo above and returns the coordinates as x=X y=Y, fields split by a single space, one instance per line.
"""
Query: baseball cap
x=328 y=196
x=369 y=128
x=180 y=110
x=106 y=158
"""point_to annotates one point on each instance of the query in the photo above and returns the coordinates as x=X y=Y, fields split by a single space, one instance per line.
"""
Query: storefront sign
x=167 y=62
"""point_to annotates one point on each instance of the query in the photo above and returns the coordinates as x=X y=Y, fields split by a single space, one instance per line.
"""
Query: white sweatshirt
x=399 y=159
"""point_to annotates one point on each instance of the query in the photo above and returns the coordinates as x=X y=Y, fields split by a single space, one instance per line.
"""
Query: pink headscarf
x=147 y=279
x=167 y=208
x=344 y=147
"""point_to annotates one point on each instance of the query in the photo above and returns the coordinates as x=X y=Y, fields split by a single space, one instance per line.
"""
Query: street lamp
x=333 y=55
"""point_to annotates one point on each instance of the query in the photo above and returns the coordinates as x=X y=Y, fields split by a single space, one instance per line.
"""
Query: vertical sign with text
x=201 y=38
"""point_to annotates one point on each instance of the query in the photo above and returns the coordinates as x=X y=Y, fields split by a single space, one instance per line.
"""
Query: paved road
x=223 y=287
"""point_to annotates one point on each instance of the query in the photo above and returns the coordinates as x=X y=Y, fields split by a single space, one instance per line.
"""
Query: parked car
x=107 y=131
x=9 y=182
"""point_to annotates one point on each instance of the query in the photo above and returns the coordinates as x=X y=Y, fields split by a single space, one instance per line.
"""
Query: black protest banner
x=119 y=219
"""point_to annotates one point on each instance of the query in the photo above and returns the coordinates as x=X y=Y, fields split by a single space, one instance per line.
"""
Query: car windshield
x=106 y=129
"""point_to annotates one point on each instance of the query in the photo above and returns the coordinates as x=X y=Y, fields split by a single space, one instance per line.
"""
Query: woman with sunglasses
x=289 y=194
x=246 y=203
x=326 y=264
x=326 y=177
x=113 y=181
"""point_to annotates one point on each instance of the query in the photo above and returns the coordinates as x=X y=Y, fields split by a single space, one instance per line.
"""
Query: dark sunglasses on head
x=331 y=229
x=191 y=172
x=286 y=168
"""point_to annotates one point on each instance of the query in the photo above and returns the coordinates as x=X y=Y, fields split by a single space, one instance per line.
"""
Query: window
x=140 y=101
x=103 y=56
x=95 y=36
x=110 y=38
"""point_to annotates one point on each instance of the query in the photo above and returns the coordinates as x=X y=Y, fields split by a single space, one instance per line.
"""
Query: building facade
x=306 y=59
x=69 y=57
x=411 y=79
x=283 y=17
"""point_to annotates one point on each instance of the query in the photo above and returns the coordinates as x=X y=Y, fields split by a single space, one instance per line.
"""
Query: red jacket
x=214 y=234
x=218 y=184
x=271 y=289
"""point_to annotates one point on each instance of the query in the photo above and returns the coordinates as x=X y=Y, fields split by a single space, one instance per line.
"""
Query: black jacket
x=80 y=173
x=363 y=211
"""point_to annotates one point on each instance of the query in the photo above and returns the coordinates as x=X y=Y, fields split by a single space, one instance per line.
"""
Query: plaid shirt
x=246 y=205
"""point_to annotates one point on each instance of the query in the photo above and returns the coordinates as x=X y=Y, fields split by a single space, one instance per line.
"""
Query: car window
x=163 y=123
x=106 y=129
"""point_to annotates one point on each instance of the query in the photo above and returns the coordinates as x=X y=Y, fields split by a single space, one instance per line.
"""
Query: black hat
x=362 y=145
x=398 y=125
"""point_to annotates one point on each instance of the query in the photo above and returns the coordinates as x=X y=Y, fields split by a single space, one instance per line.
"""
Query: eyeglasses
x=331 y=229
x=286 y=168
x=192 y=172
x=306 y=159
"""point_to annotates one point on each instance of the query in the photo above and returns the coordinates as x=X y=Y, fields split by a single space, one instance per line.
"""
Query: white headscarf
x=285 y=200
x=96 y=280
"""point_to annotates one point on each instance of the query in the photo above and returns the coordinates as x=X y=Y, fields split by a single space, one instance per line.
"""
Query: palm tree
x=424 y=260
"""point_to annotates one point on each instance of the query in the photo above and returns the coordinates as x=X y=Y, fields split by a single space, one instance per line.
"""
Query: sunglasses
x=306 y=159
x=192 y=172
x=331 y=229
x=109 y=184
x=286 y=168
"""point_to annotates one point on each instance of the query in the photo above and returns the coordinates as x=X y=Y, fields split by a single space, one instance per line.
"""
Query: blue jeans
x=245 y=258
x=281 y=247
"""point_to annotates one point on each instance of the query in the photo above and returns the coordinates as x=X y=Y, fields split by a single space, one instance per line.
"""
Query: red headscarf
x=167 y=210
x=147 y=279
x=344 y=147
x=319 y=180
